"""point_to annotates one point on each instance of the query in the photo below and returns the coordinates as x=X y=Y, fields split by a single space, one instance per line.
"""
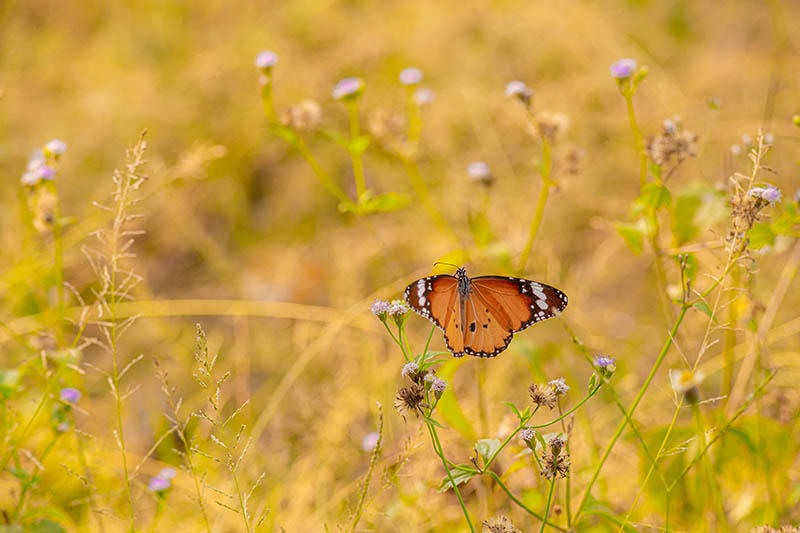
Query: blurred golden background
x=241 y=237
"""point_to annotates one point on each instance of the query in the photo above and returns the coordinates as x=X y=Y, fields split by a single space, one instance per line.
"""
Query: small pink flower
x=623 y=69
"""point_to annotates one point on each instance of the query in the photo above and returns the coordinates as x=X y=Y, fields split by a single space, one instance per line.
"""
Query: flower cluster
x=604 y=365
x=41 y=163
x=745 y=209
x=412 y=398
x=672 y=146
x=553 y=461
x=384 y=308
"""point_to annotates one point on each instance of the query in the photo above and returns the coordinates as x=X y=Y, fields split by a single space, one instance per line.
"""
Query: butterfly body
x=480 y=315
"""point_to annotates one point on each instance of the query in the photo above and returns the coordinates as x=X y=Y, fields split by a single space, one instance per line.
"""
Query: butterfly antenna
x=448 y=264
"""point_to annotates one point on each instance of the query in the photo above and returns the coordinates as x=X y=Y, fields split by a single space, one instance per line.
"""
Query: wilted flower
x=623 y=68
x=266 y=59
x=70 y=395
x=686 y=383
x=409 y=399
x=348 y=88
x=542 y=395
x=499 y=524
x=769 y=138
x=381 y=308
x=559 y=386
x=767 y=192
x=438 y=386
x=410 y=76
x=56 y=147
x=553 y=462
x=519 y=90
x=551 y=125
x=672 y=147
x=736 y=149
x=480 y=172
x=306 y=116
x=369 y=441
x=423 y=96
x=410 y=371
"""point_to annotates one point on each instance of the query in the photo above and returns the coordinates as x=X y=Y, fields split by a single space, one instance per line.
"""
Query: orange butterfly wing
x=436 y=298
x=495 y=308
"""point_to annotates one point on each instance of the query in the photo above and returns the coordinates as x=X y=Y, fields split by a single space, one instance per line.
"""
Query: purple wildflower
x=70 y=395
x=381 y=307
x=158 y=484
x=519 y=90
x=167 y=473
x=266 y=59
x=769 y=193
x=601 y=361
x=623 y=68
x=348 y=88
x=410 y=76
x=399 y=307
x=409 y=370
x=560 y=387
x=478 y=170
x=527 y=435
x=438 y=386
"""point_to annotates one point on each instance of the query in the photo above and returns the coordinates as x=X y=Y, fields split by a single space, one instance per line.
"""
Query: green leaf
x=45 y=526
x=632 y=235
x=541 y=444
x=654 y=195
x=461 y=474
x=390 y=201
x=595 y=507
x=514 y=409
x=761 y=235
x=285 y=133
x=448 y=407
x=702 y=306
x=487 y=447
x=433 y=422
x=592 y=382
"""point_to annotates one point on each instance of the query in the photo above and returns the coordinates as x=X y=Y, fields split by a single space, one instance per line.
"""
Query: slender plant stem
x=631 y=410
x=637 y=136
x=324 y=178
x=241 y=500
x=538 y=214
x=549 y=501
x=421 y=190
x=521 y=503
x=266 y=99
x=26 y=487
x=355 y=133
x=437 y=447
x=58 y=265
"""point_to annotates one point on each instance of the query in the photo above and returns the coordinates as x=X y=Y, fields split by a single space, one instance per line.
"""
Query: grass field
x=198 y=258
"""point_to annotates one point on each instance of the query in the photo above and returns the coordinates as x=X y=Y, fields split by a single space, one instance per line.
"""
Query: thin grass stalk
x=541 y=202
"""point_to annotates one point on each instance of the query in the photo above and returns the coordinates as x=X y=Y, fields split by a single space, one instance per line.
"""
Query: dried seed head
x=551 y=125
x=553 y=461
x=672 y=147
x=499 y=524
x=409 y=399
x=306 y=116
x=542 y=395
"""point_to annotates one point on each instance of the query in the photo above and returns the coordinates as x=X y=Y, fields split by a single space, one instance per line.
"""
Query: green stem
x=58 y=251
x=549 y=501
x=540 y=203
x=428 y=343
x=634 y=405
x=637 y=137
x=358 y=163
x=522 y=504
x=421 y=190
x=437 y=447
x=716 y=504
x=266 y=99
x=29 y=483
x=323 y=176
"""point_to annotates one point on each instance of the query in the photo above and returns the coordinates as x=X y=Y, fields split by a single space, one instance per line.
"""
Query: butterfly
x=480 y=315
